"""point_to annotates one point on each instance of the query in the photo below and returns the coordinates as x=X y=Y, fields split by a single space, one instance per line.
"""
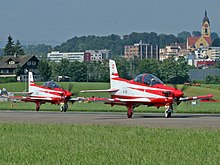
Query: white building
x=57 y=56
x=99 y=55
x=95 y=55
x=141 y=50
x=214 y=53
x=208 y=53
x=201 y=53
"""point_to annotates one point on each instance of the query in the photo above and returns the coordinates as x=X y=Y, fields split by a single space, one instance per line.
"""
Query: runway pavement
x=114 y=118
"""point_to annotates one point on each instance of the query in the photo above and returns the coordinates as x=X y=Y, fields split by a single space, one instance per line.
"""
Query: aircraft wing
x=38 y=98
x=74 y=99
x=196 y=98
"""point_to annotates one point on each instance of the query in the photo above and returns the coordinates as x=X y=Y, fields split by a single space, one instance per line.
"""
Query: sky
x=60 y=20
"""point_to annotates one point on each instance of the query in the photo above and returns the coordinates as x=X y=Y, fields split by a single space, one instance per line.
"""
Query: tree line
x=169 y=71
x=116 y=44
x=113 y=42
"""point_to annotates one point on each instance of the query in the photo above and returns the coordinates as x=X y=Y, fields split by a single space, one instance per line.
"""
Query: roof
x=20 y=60
x=193 y=40
x=209 y=40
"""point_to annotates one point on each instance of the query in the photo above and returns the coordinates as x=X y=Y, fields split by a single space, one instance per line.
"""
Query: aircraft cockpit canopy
x=51 y=84
x=148 y=79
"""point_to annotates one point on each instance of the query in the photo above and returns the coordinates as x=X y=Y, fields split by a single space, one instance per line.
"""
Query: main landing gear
x=130 y=110
x=167 y=114
x=168 y=111
x=63 y=107
x=38 y=105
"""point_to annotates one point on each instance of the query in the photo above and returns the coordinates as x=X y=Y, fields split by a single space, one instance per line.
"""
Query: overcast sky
x=60 y=20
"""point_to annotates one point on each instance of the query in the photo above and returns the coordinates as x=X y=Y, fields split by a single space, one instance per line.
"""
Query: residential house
x=11 y=65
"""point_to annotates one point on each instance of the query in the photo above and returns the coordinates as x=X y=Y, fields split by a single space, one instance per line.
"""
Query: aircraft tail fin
x=113 y=74
x=30 y=82
x=113 y=79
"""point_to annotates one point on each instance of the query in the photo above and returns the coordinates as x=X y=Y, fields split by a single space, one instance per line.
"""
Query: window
x=147 y=79
x=33 y=62
x=51 y=84
x=29 y=63
x=11 y=62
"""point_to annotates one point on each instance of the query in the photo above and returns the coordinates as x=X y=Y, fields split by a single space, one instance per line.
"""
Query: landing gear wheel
x=168 y=111
x=167 y=114
x=38 y=108
x=61 y=108
x=64 y=108
x=129 y=114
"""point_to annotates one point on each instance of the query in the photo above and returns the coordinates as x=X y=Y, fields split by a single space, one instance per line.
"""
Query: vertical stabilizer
x=30 y=81
x=113 y=73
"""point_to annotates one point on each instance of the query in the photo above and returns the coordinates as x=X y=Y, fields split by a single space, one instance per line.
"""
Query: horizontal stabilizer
x=38 y=98
x=135 y=100
x=143 y=100
x=24 y=98
x=97 y=91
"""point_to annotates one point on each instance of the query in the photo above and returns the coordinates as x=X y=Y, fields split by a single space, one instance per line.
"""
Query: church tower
x=206 y=31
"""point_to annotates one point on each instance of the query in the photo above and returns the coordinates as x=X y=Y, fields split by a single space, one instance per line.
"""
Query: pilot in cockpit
x=51 y=84
x=147 y=79
x=152 y=82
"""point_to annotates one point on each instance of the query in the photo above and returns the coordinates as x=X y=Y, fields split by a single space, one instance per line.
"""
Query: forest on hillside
x=113 y=42
x=116 y=44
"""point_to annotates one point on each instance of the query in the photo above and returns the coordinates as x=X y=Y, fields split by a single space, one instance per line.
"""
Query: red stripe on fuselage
x=55 y=91
x=52 y=92
x=157 y=86
x=156 y=92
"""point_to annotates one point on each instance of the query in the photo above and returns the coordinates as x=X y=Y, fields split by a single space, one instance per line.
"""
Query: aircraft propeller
x=176 y=99
x=70 y=88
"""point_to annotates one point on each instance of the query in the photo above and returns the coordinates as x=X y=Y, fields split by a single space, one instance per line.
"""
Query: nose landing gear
x=168 y=111
x=64 y=107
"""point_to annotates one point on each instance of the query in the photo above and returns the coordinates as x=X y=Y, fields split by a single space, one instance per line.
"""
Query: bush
x=7 y=79
x=212 y=79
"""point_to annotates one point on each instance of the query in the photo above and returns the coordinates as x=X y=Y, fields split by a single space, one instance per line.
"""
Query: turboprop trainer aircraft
x=145 y=89
x=49 y=92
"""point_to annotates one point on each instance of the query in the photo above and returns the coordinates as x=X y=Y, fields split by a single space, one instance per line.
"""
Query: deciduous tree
x=44 y=69
x=184 y=35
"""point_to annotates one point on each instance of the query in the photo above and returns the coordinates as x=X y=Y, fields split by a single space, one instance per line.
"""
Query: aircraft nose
x=68 y=94
x=178 y=93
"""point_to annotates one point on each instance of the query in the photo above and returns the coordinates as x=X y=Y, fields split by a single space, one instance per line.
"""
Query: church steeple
x=206 y=31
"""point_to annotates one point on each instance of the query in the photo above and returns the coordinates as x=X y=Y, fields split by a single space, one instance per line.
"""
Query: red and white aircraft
x=145 y=89
x=49 y=92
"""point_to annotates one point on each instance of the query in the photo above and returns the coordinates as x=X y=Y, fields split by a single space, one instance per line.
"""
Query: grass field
x=184 y=107
x=93 y=144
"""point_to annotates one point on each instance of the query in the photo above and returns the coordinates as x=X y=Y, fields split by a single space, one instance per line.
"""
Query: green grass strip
x=94 y=144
